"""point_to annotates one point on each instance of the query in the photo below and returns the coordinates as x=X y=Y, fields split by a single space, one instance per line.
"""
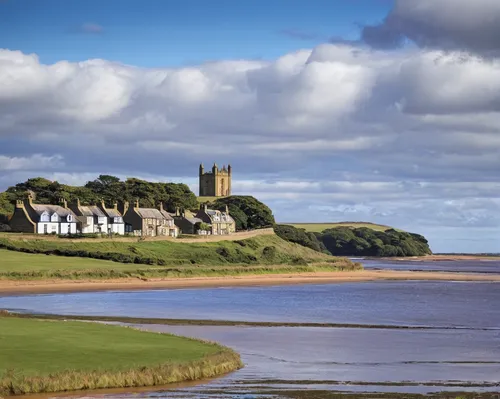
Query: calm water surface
x=438 y=304
x=463 y=353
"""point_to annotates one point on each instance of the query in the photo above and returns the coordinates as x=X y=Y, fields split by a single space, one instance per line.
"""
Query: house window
x=69 y=218
x=54 y=228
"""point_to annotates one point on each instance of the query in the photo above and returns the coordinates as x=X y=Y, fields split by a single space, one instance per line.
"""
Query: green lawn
x=18 y=261
x=32 y=348
x=319 y=227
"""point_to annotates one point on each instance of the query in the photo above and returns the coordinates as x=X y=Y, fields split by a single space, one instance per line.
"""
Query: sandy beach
x=52 y=286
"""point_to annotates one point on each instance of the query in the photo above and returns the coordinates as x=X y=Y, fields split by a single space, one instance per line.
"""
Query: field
x=77 y=260
x=50 y=356
x=22 y=262
x=319 y=227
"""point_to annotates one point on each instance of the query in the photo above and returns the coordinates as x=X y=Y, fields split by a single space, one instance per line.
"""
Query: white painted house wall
x=51 y=228
x=118 y=228
x=53 y=224
x=68 y=228
x=89 y=228
x=102 y=223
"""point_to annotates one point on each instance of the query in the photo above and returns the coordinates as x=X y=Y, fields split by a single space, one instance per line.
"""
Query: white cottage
x=90 y=217
x=43 y=219
x=116 y=225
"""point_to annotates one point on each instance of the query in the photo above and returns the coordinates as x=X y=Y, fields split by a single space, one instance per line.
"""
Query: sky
x=328 y=110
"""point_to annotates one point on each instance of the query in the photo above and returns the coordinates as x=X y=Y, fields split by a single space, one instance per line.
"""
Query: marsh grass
x=51 y=356
x=15 y=383
x=169 y=272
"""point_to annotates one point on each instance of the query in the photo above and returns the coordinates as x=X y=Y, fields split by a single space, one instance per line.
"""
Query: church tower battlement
x=215 y=183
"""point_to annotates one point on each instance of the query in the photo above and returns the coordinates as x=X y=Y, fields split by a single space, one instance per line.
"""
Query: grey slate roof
x=113 y=213
x=166 y=215
x=225 y=217
x=91 y=210
x=50 y=209
x=152 y=213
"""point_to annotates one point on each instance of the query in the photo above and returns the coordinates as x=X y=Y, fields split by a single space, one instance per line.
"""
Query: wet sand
x=54 y=286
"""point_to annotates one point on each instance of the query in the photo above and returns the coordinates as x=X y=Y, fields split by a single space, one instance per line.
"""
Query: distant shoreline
x=440 y=258
x=15 y=287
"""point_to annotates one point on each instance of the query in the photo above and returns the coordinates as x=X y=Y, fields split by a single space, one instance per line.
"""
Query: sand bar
x=53 y=286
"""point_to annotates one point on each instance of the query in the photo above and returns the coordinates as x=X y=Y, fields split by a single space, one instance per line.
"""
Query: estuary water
x=451 y=343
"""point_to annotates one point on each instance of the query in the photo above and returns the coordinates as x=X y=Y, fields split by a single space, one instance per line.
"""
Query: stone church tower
x=216 y=183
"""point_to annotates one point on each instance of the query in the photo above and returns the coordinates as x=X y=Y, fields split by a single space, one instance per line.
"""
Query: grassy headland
x=50 y=356
x=27 y=259
x=320 y=227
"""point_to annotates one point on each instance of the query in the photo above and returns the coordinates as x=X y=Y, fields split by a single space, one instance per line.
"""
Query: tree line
x=248 y=212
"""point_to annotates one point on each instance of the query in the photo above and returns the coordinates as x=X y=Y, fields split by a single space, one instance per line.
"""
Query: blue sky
x=156 y=33
x=394 y=122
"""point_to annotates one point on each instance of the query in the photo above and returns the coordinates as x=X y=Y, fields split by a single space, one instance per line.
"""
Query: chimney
x=205 y=207
x=136 y=204
x=103 y=205
x=177 y=212
x=161 y=206
x=64 y=203
x=115 y=206
x=19 y=204
x=123 y=207
x=77 y=202
x=30 y=198
x=227 y=210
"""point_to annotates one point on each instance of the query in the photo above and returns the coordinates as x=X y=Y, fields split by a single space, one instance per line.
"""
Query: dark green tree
x=257 y=214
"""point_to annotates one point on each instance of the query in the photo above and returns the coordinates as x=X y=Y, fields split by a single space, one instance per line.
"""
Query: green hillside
x=26 y=259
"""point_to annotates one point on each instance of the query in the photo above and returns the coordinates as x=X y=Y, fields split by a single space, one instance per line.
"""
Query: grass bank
x=42 y=259
x=23 y=266
x=49 y=356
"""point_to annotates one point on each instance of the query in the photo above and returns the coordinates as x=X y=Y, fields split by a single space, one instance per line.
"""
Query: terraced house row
x=75 y=218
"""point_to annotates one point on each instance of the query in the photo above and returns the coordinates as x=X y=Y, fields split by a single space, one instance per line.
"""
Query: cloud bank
x=407 y=138
x=444 y=24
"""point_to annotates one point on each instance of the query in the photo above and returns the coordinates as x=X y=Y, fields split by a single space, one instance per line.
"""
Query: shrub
x=346 y=241
x=299 y=236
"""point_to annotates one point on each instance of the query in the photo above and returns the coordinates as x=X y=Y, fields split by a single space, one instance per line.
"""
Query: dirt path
x=48 y=286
